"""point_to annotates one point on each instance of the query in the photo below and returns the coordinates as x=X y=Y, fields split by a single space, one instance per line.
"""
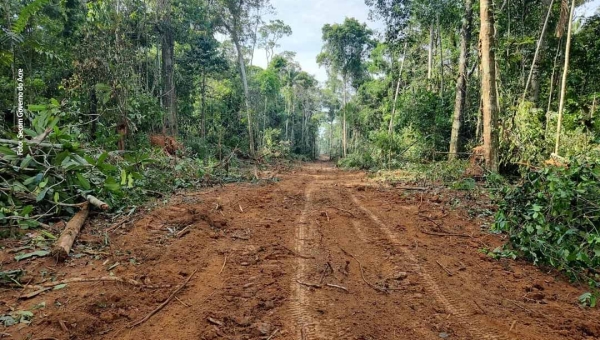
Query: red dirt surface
x=322 y=254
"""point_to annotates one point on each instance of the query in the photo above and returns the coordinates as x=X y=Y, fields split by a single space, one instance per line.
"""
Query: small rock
x=444 y=335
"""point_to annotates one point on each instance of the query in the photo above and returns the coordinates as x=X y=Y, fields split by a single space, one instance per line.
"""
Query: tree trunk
x=330 y=139
x=430 y=58
x=533 y=72
x=246 y=91
x=168 y=61
x=391 y=126
x=488 y=86
x=461 y=82
x=203 y=117
x=441 y=60
x=344 y=146
x=563 y=87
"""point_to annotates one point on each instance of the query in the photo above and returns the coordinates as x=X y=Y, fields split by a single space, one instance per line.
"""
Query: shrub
x=553 y=217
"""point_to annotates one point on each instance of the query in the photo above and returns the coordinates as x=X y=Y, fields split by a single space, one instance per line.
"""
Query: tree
x=345 y=48
x=488 y=86
x=235 y=17
x=461 y=82
x=563 y=87
x=270 y=35
x=168 y=69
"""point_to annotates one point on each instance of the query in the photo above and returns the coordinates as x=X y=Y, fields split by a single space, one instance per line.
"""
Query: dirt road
x=321 y=254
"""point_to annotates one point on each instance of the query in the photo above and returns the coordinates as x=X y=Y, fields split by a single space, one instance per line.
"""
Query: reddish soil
x=282 y=260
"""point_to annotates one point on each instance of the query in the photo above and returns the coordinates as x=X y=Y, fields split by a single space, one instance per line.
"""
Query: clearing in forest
x=320 y=254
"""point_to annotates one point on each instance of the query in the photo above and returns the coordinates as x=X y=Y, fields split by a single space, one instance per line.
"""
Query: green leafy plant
x=553 y=217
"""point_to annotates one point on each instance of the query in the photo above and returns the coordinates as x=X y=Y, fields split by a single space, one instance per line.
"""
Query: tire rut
x=307 y=326
x=462 y=314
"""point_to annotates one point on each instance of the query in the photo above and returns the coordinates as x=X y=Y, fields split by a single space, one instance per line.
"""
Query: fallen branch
x=86 y=279
x=444 y=234
x=338 y=287
x=31 y=143
x=162 y=305
x=362 y=274
x=444 y=268
x=273 y=334
x=67 y=237
x=411 y=188
x=183 y=231
x=223 y=266
x=117 y=225
x=97 y=203
x=346 y=211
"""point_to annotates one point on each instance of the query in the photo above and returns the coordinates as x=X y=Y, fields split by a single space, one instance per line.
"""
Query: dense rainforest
x=122 y=100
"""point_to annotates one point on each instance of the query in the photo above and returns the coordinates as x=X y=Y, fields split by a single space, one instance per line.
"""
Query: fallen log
x=97 y=203
x=67 y=237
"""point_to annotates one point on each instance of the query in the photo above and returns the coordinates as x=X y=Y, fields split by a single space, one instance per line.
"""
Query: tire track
x=464 y=317
x=305 y=300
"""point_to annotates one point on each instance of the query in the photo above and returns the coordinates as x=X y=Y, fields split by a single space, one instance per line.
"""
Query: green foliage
x=553 y=217
x=358 y=160
x=588 y=299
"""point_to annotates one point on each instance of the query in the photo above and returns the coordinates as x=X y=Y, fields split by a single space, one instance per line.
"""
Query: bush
x=553 y=217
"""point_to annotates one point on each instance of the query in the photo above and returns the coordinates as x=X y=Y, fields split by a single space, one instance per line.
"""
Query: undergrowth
x=553 y=218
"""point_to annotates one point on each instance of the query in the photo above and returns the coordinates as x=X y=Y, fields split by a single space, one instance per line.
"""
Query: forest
x=120 y=117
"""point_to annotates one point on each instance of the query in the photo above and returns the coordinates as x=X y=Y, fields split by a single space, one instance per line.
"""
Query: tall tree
x=488 y=86
x=563 y=87
x=235 y=17
x=168 y=68
x=346 y=46
x=270 y=35
x=461 y=81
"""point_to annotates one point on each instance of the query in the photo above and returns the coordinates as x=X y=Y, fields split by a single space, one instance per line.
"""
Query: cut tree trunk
x=461 y=82
x=488 y=86
x=65 y=241
x=97 y=203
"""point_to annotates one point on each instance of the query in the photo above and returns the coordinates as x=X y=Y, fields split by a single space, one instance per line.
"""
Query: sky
x=307 y=17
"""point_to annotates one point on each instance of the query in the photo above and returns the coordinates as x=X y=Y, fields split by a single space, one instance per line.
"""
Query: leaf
x=83 y=181
x=60 y=286
x=7 y=320
x=123 y=177
x=39 y=253
x=42 y=194
x=102 y=157
x=26 y=210
x=112 y=185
